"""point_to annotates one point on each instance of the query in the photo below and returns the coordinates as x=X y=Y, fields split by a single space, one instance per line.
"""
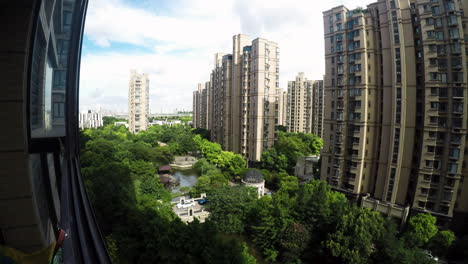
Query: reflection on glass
x=49 y=71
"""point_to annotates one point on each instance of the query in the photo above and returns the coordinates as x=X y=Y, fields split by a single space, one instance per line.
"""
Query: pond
x=187 y=178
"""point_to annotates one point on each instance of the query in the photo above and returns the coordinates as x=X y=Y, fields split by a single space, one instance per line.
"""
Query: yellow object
x=13 y=256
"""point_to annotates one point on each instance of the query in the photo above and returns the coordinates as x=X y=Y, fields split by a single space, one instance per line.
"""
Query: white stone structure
x=254 y=178
x=90 y=119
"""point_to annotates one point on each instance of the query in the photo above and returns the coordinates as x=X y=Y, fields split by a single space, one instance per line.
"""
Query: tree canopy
x=307 y=223
x=282 y=156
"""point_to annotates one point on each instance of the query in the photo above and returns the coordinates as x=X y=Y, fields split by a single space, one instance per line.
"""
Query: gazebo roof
x=253 y=176
x=165 y=168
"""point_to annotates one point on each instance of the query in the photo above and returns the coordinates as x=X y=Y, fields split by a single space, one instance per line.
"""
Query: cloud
x=179 y=38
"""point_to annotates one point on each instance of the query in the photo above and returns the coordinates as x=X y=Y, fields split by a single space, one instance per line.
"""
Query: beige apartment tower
x=317 y=105
x=304 y=105
x=396 y=104
x=201 y=106
x=244 y=97
x=197 y=107
x=282 y=106
x=138 y=101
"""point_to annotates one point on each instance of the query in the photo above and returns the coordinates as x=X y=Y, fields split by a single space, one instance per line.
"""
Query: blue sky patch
x=90 y=47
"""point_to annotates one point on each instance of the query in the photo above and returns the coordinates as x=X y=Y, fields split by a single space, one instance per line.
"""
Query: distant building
x=282 y=107
x=242 y=98
x=201 y=106
x=305 y=105
x=318 y=106
x=90 y=120
x=121 y=124
x=138 y=102
x=165 y=122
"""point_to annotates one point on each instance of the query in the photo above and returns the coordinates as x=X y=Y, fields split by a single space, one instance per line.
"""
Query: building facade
x=304 y=105
x=395 y=104
x=282 y=106
x=201 y=106
x=299 y=99
x=317 y=108
x=138 y=102
x=90 y=120
x=196 y=108
x=244 y=94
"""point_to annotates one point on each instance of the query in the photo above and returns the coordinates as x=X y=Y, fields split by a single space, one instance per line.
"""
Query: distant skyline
x=174 y=41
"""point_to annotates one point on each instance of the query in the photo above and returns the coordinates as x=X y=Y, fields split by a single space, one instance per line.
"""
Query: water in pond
x=186 y=178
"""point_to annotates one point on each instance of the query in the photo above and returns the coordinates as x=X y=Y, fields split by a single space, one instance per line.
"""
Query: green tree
x=355 y=236
x=110 y=120
x=274 y=161
x=282 y=156
x=151 y=185
x=421 y=228
x=204 y=133
x=321 y=210
x=293 y=242
x=111 y=191
x=230 y=206
x=246 y=257
x=441 y=242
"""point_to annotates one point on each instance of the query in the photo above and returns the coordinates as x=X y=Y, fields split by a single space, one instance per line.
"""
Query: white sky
x=175 y=42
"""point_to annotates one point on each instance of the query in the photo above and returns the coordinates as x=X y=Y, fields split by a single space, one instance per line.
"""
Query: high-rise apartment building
x=201 y=106
x=396 y=104
x=317 y=108
x=304 y=105
x=259 y=86
x=299 y=99
x=196 y=108
x=221 y=83
x=138 y=102
x=282 y=103
x=205 y=106
x=244 y=97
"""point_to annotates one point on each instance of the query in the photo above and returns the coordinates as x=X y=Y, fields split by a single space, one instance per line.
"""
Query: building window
x=339 y=27
x=338 y=17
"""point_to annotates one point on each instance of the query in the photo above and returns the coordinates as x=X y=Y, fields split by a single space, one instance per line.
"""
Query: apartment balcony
x=452 y=176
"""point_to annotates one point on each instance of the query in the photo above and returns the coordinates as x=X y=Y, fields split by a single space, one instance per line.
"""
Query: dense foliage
x=133 y=207
x=282 y=156
x=110 y=120
x=306 y=223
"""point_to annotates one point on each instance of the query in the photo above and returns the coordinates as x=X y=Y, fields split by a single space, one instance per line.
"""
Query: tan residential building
x=196 y=117
x=244 y=106
x=299 y=99
x=396 y=104
x=138 y=101
x=317 y=108
x=221 y=100
x=205 y=106
x=281 y=109
x=201 y=106
x=304 y=105
x=258 y=86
